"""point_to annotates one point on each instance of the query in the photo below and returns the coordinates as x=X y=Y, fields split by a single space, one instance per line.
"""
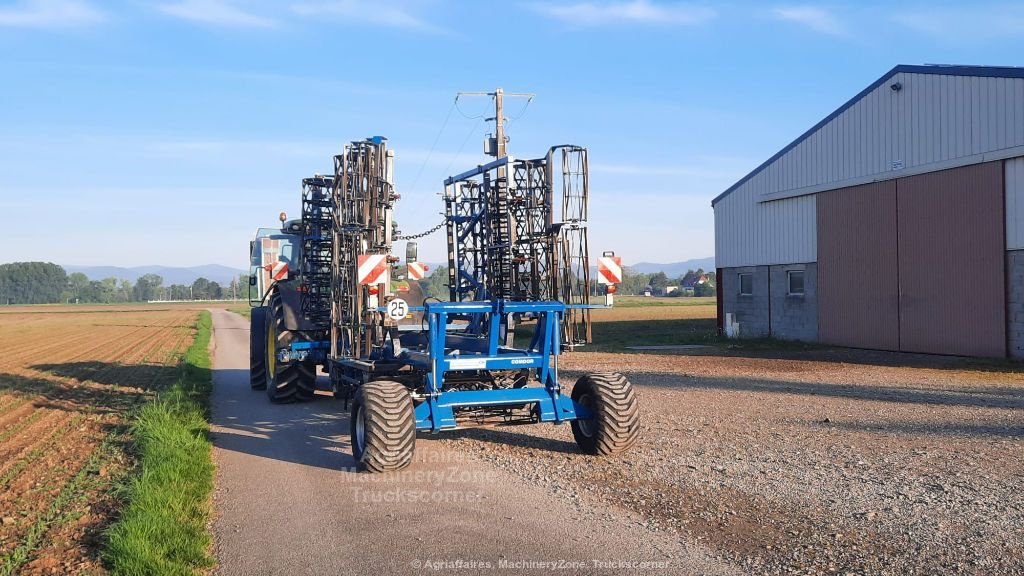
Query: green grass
x=646 y=302
x=246 y=311
x=163 y=527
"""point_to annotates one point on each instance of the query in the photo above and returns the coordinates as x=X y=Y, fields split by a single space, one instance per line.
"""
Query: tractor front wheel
x=615 y=425
x=383 y=426
x=257 y=348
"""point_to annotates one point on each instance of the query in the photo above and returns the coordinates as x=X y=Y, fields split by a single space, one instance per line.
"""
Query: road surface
x=288 y=500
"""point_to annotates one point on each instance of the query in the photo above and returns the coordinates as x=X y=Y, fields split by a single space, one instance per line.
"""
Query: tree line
x=436 y=284
x=48 y=283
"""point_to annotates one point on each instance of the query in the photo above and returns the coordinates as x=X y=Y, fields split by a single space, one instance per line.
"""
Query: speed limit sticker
x=398 y=309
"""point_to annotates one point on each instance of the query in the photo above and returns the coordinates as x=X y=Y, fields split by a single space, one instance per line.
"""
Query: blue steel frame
x=468 y=351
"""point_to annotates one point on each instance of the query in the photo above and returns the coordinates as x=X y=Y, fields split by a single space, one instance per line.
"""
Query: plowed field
x=69 y=377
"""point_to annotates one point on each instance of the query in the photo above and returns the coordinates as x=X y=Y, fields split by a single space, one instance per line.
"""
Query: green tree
x=78 y=283
x=32 y=283
x=658 y=282
x=705 y=289
x=148 y=287
x=200 y=289
x=436 y=284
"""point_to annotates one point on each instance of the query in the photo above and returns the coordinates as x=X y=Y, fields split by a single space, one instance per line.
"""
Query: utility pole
x=500 y=149
x=499 y=123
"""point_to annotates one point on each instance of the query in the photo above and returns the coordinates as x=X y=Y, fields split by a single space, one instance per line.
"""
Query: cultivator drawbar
x=517 y=255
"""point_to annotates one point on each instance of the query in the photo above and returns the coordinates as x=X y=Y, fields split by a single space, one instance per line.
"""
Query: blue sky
x=164 y=132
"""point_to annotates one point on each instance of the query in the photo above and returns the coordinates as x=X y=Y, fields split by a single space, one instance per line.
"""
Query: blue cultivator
x=518 y=261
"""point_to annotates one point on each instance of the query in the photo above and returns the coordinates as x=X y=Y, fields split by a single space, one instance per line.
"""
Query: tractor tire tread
x=618 y=414
x=294 y=381
x=389 y=426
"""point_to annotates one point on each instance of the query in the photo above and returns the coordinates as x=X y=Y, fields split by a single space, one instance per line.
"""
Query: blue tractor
x=329 y=294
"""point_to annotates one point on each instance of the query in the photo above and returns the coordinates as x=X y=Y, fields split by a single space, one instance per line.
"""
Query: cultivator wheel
x=383 y=426
x=616 y=423
x=257 y=350
x=291 y=381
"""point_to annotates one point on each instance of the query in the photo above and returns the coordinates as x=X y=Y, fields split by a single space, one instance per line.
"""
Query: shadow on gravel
x=615 y=336
x=771 y=349
x=999 y=397
x=950 y=429
x=314 y=433
x=506 y=438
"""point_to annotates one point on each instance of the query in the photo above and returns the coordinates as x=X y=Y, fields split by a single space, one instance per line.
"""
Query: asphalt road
x=288 y=500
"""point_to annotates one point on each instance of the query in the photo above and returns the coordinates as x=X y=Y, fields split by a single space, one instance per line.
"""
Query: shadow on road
x=314 y=433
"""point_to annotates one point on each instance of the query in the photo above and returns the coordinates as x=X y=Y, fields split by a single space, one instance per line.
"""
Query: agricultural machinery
x=328 y=293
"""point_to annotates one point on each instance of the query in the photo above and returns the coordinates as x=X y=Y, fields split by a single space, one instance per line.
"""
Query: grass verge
x=246 y=311
x=163 y=527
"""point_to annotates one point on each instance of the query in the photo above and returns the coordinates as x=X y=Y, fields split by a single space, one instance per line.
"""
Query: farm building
x=896 y=223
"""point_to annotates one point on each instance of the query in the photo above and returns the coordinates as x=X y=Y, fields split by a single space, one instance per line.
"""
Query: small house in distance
x=849 y=235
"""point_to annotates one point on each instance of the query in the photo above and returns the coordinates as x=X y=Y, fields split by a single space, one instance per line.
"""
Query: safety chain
x=422 y=234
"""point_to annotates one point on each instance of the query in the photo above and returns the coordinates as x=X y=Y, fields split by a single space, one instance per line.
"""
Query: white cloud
x=391 y=14
x=50 y=14
x=813 y=17
x=634 y=11
x=215 y=12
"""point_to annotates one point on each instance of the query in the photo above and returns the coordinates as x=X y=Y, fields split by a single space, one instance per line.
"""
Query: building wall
x=1015 y=302
x=935 y=121
x=1015 y=204
x=753 y=312
x=794 y=317
x=951 y=228
x=858 y=284
x=748 y=233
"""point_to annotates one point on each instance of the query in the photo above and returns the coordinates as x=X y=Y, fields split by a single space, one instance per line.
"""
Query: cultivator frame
x=517 y=251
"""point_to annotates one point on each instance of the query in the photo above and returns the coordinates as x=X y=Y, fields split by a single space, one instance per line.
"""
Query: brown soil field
x=69 y=377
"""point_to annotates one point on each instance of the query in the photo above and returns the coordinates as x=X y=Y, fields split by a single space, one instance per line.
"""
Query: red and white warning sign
x=417 y=270
x=609 y=269
x=278 y=271
x=373 y=269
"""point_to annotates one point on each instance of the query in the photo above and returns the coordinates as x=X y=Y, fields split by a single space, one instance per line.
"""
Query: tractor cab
x=273 y=256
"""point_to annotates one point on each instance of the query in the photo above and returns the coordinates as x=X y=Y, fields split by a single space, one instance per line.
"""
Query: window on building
x=796 y=282
x=746 y=284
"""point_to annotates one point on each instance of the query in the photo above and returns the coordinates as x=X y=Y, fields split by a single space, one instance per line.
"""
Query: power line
x=472 y=130
x=477 y=117
x=522 y=111
x=430 y=153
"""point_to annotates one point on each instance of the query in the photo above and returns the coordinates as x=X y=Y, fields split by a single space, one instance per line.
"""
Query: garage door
x=858 y=287
x=951 y=249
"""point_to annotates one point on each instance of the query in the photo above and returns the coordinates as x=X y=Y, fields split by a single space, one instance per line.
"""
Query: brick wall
x=794 y=317
x=752 y=312
x=1015 y=302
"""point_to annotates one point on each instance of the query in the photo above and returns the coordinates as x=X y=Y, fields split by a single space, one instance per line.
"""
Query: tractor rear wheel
x=286 y=381
x=615 y=426
x=383 y=426
x=258 y=349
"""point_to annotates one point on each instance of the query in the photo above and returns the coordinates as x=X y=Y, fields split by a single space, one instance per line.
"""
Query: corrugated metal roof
x=943 y=70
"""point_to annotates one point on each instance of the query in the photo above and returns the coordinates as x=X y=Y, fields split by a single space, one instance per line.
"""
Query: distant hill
x=673 y=269
x=171 y=275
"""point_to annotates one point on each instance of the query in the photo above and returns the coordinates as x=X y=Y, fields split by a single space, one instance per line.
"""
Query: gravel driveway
x=822 y=461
